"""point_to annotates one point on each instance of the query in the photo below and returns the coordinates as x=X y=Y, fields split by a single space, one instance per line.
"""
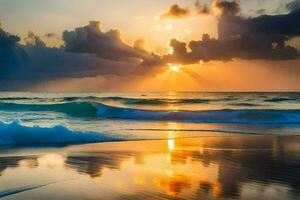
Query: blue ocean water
x=51 y=118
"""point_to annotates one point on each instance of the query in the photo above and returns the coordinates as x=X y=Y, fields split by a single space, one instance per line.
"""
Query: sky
x=157 y=45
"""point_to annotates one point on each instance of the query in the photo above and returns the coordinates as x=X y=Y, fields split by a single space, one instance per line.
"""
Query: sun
x=174 y=68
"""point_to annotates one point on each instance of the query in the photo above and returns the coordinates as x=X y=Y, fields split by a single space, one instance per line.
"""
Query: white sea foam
x=16 y=134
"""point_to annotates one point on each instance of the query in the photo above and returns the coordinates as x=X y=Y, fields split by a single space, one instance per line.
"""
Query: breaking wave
x=17 y=134
x=150 y=101
x=76 y=109
x=123 y=100
x=213 y=116
x=93 y=110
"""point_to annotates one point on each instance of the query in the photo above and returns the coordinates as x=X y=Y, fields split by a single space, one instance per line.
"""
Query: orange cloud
x=175 y=12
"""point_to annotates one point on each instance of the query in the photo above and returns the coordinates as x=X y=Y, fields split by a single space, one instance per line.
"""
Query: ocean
x=58 y=118
x=214 y=146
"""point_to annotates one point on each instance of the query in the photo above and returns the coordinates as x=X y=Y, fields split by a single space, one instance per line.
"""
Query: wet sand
x=235 y=167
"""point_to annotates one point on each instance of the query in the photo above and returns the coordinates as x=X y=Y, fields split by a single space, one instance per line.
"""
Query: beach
x=224 y=167
x=237 y=146
x=150 y=100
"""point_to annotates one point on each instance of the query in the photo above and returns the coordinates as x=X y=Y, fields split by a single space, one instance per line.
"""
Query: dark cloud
x=293 y=6
x=175 y=11
x=33 y=40
x=11 y=54
x=7 y=40
x=261 y=11
x=202 y=8
x=90 y=39
x=55 y=63
x=222 y=7
x=286 y=25
x=107 y=45
x=180 y=53
x=50 y=35
x=262 y=37
x=88 y=53
x=227 y=7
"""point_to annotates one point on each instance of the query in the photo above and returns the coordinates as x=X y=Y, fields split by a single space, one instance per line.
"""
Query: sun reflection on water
x=171 y=144
x=185 y=169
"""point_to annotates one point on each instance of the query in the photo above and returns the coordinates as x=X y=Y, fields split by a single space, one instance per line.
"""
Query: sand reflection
x=206 y=168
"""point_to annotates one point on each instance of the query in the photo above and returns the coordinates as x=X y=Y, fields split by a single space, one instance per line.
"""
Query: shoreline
x=208 y=167
x=65 y=145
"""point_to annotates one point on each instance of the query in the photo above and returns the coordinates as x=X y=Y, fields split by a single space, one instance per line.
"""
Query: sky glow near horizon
x=148 y=36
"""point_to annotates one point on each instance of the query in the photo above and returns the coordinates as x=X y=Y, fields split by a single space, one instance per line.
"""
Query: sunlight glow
x=171 y=144
x=174 y=68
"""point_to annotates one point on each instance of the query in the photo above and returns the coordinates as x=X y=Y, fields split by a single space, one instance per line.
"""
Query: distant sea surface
x=38 y=118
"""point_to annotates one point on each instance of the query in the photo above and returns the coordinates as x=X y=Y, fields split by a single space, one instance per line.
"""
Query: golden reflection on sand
x=205 y=168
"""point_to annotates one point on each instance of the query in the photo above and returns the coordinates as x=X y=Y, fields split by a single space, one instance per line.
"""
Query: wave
x=244 y=104
x=123 y=100
x=147 y=101
x=277 y=99
x=76 y=109
x=16 y=134
x=14 y=98
x=100 y=110
x=164 y=101
x=154 y=101
x=213 y=116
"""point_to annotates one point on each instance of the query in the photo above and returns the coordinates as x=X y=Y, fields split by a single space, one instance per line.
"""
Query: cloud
x=285 y=24
x=227 y=8
x=262 y=37
x=180 y=53
x=293 y=6
x=11 y=54
x=221 y=7
x=261 y=11
x=90 y=39
x=106 y=45
x=33 y=40
x=202 y=8
x=50 y=35
x=139 y=45
x=88 y=52
x=175 y=12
